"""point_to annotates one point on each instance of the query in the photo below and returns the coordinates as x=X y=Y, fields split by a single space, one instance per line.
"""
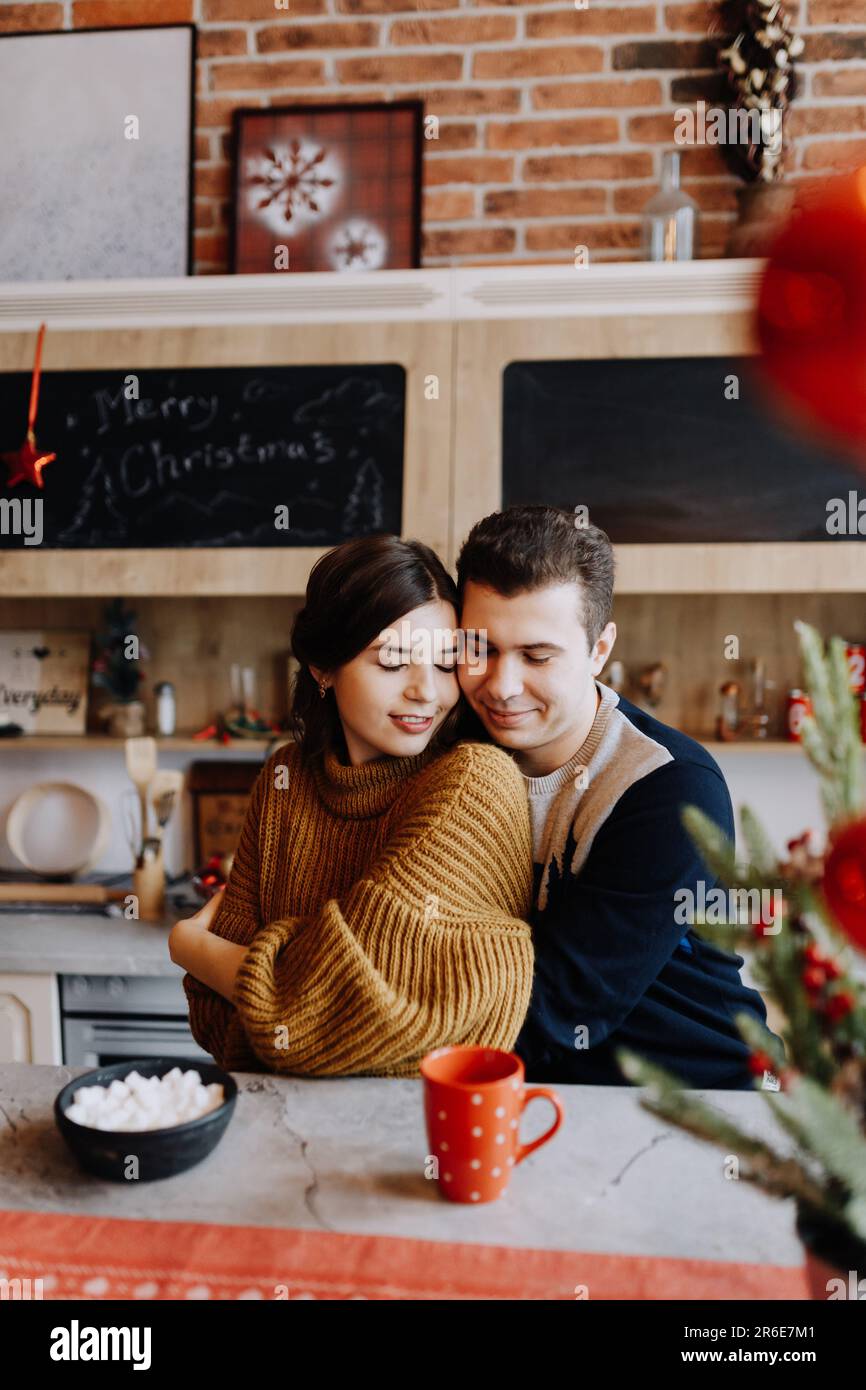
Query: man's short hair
x=526 y=548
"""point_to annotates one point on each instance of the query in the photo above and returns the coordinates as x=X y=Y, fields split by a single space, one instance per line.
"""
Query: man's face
x=536 y=694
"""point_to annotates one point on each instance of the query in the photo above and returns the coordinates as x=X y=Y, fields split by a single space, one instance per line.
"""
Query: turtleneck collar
x=359 y=793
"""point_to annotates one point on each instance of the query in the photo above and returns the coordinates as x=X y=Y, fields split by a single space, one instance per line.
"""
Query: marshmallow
x=145 y=1102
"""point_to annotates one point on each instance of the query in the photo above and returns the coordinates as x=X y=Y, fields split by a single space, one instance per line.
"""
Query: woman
x=374 y=907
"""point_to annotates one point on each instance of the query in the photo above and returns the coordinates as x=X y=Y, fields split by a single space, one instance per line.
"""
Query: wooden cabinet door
x=30 y=1019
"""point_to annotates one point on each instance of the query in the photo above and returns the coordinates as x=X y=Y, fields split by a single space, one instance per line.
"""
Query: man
x=606 y=784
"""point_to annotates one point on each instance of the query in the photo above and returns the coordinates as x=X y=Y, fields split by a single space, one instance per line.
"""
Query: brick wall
x=552 y=119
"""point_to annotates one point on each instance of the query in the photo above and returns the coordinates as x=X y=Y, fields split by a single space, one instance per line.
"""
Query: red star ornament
x=26 y=464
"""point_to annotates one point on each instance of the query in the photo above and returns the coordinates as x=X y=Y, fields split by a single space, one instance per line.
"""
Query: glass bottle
x=670 y=218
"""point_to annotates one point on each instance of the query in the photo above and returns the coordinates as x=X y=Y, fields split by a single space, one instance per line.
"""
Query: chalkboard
x=204 y=456
x=657 y=452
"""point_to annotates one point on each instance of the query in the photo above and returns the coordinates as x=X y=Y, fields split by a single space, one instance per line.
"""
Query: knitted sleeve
x=429 y=948
x=213 y=1020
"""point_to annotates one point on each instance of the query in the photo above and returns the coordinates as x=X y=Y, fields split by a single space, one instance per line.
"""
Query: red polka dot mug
x=473 y=1100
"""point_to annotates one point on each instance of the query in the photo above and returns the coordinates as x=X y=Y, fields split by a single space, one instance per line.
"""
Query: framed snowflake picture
x=327 y=188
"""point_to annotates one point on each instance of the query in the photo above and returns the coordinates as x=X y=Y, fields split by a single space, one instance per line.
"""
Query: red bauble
x=844 y=884
x=812 y=313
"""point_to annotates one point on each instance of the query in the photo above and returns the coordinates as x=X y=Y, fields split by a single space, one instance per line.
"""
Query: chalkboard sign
x=206 y=456
x=662 y=450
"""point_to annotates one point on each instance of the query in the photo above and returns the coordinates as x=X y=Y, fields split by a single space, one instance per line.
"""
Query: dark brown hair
x=525 y=548
x=353 y=593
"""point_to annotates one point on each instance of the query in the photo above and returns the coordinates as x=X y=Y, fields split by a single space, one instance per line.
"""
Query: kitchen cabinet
x=30 y=1019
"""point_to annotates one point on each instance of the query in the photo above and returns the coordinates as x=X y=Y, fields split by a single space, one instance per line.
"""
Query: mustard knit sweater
x=382 y=906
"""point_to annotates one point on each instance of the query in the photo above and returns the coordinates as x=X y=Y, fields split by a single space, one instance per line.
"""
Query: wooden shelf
x=748 y=568
x=87 y=743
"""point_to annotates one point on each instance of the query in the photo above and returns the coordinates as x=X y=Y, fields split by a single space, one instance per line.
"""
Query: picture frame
x=104 y=123
x=326 y=187
x=45 y=680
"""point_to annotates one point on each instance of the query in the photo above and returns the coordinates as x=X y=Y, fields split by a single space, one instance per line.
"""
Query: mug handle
x=523 y=1150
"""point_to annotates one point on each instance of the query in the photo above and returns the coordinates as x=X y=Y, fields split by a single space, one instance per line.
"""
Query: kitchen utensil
x=473 y=1100
x=130 y=813
x=161 y=1153
x=60 y=893
x=57 y=828
x=164 y=792
x=148 y=881
x=141 y=766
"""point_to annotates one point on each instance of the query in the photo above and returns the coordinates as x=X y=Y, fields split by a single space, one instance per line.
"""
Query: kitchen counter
x=347 y=1155
x=72 y=943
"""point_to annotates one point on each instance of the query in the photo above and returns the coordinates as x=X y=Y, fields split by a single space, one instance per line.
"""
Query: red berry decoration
x=844 y=884
x=839 y=1006
x=813 y=979
x=759 y=1062
x=812 y=313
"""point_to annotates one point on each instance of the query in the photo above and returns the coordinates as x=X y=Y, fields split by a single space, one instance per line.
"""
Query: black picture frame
x=243 y=113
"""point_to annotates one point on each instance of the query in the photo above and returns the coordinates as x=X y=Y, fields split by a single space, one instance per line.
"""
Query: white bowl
x=58 y=828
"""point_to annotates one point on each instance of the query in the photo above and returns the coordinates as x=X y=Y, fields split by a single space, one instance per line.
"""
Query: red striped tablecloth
x=96 y=1257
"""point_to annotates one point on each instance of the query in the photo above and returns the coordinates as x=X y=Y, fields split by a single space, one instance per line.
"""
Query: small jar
x=166 y=710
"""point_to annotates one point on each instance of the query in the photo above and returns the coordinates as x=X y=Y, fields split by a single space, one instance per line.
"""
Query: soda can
x=799 y=705
x=856 y=655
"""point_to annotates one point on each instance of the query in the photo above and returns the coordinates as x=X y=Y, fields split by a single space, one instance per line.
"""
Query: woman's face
x=394 y=695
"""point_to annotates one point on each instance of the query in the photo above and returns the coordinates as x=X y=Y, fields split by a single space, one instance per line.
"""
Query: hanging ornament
x=811 y=317
x=25 y=465
x=844 y=885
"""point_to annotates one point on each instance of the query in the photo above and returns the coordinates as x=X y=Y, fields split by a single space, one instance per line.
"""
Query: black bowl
x=160 y=1152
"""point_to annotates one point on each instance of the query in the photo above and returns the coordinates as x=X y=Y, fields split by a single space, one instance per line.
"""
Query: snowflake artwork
x=358 y=245
x=287 y=188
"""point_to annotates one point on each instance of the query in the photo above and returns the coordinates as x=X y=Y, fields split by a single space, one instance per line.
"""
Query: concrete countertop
x=71 y=943
x=347 y=1155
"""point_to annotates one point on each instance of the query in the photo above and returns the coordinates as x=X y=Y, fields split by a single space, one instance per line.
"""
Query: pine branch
x=761 y=852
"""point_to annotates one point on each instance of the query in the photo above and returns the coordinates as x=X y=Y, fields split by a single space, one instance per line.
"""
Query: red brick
x=202 y=146
x=346 y=98
x=544 y=202
x=404 y=67
x=30 y=18
x=642 y=91
x=261 y=10
x=531 y=135
x=664 y=53
x=217 y=111
x=238 y=77
x=706 y=160
x=471 y=29
x=710 y=196
x=837 y=12
x=554 y=61
x=119 y=14
x=572 y=24
x=448 y=204
x=657 y=127
x=465 y=101
x=205 y=215
x=844 y=82
x=557 y=168
x=821 y=48
x=713 y=234
x=454 y=135
x=211 y=247
x=565 y=236
x=476 y=168
x=277 y=38
x=690 y=18
x=819 y=120
x=834 y=154
x=212 y=180
x=390 y=6
x=219 y=43
x=458 y=241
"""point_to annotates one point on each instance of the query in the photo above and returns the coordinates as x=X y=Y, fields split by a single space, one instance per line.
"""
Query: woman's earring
x=322 y=689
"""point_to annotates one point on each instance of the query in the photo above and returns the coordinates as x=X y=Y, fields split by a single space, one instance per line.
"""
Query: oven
x=115 y=1018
